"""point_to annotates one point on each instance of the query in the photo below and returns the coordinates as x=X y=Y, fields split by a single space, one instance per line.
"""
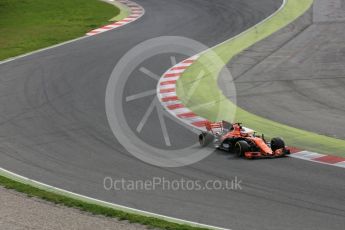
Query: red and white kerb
x=136 y=11
x=166 y=92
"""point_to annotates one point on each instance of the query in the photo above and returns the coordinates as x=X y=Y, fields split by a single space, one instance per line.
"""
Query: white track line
x=50 y=188
x=136 y=9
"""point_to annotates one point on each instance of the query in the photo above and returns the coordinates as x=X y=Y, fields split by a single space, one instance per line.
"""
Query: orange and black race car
x=244 y=142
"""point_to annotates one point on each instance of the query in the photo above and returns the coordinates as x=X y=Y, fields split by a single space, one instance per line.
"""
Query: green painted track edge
x=209 y=102
x=124 y=12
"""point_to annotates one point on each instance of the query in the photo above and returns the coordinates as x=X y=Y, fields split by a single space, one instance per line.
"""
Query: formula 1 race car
x=243 y=141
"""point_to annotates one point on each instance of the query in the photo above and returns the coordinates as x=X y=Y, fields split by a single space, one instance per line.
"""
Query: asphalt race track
x=53 y=128
x=305 y=73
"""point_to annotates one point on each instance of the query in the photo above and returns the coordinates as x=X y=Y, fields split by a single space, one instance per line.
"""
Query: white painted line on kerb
x=171 y=94
x=171 y=79
x=307 y=155
x=340 y=164
x=167 y=86
x=176 y=71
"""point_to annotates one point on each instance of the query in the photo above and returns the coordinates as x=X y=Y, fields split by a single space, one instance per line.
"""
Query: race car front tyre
x=277 y=143
x=205 y=139
x=241 y=147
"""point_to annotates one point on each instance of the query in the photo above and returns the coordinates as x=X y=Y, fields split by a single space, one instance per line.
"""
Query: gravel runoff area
x=17 y=211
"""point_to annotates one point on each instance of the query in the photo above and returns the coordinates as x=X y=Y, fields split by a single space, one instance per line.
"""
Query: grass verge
x=208 y=101
x=28 y=25
x=32 y=191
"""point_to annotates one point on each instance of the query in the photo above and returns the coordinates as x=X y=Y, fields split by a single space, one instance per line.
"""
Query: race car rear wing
x=218 y=126
x=225 y=126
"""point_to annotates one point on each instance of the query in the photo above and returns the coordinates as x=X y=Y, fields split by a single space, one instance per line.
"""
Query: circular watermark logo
x=135 y=114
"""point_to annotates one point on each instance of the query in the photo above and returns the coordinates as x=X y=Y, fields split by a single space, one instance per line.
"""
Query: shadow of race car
x=242 y=141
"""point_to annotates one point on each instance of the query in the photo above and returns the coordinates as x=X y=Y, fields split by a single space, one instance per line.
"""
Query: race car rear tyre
x=241 y=147
x=277 y=143
x=205 y=139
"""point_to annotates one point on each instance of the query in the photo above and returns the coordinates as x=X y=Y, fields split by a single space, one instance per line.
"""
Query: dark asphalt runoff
x=53 y=128
x=300 y=81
